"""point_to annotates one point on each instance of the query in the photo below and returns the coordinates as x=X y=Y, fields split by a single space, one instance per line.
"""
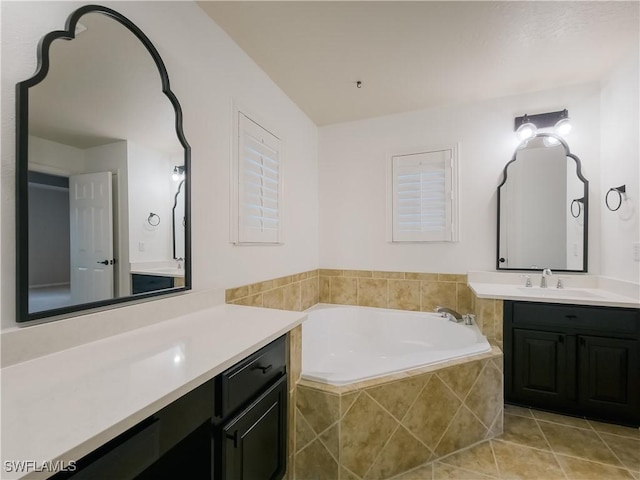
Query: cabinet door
x=254 y=442
x=542 y=369
x=609 y=376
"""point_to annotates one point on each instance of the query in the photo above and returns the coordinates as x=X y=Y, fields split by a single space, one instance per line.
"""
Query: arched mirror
x=99 y=136
x=543 y=208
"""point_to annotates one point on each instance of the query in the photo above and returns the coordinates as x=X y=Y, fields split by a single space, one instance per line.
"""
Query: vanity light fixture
x=563 y=126
x=527 y=126
x=526 y=130
x=178 y=173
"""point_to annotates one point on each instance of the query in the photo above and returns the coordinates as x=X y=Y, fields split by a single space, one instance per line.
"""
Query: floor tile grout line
x=495 y=459
x=611 y=450
x=543 y=434
x=443 y=459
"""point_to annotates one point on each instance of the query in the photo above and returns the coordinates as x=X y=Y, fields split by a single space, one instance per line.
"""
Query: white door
x=91 y=230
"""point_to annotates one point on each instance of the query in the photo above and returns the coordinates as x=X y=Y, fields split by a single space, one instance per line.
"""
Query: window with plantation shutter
x=258 y=173
x=424 y=196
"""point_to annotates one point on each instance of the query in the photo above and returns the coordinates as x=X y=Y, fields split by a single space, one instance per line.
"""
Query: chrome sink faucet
x=452 y=315
x=546 y=272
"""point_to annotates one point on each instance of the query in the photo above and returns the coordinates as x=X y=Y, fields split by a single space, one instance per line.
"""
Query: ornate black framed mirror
x=543 y=209
x=99 y=133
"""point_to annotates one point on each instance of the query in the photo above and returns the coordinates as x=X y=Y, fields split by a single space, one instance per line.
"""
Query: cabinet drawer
x=244 y=380
x=577 y=318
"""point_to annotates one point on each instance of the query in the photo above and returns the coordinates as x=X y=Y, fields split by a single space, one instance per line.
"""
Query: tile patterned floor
x=539 y=445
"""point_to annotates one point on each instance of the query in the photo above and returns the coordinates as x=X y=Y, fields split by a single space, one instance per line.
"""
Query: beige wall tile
x=498 y=319
x=320 y=409
x=402 y=452
x=372 y=292
x=273 y=298
x=485 y=309
x=364 y=430
x=465 y=430
x=315 y=462
x=236 y=293
x=396 y=275
x=357 y=273
x=295 y=354
x=485 y=398
x=292 y=297
x=431 y=413
x=397 y=397
x=460 y=378
x=282 y=281
x=308 y=292
x=464 y=298
x=304 y=434
x=427 y=277
x=452 y=277
x=252 y=301
x=330 y=439
x=330 y=272
x=404 y=294
x=438 y=294
x=344 y=291
x=261 y=287
x=324 y=287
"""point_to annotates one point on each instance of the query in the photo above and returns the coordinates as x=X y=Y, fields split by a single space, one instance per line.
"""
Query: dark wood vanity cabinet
x=233 y=427
x=579 y=360
x=251 y=417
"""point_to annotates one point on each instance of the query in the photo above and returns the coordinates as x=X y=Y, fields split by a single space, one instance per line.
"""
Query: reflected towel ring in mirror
x=577 y=203
x=622 y=195
x=153 y=219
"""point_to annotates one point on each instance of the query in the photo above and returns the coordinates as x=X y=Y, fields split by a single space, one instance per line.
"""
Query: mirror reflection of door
x=91 y=237
x=100 y=112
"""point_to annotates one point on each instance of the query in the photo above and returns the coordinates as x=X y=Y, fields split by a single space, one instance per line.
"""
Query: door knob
x=104 y=262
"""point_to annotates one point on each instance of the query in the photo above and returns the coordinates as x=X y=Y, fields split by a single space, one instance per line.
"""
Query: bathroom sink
x=558 y=292
x=163 y=271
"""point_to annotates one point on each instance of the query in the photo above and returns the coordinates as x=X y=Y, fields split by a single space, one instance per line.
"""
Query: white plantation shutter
x=424 y=197
x=259 y=178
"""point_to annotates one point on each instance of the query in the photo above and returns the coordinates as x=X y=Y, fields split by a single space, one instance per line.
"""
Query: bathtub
x=344 y=344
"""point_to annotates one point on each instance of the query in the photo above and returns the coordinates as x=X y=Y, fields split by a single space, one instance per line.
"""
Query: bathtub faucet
x=452 y=315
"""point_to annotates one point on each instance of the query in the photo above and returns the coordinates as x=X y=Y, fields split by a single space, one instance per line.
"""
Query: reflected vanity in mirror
x=543 y=208
x=101 y=221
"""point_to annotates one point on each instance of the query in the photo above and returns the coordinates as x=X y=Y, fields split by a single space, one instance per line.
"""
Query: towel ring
x=579 y=202
x=153 y=219
x=622 y=195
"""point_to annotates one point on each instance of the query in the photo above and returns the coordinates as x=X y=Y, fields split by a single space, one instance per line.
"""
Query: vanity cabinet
x=251 y=417
x=232 y=427
x=574 y=359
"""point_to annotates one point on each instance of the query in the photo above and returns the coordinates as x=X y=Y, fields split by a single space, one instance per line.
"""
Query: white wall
x=207 y=70
x=353 y=183
x=150 y=192
x=620 y=153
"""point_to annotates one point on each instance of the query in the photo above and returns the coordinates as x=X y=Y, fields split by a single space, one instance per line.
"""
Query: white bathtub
x=342 y=345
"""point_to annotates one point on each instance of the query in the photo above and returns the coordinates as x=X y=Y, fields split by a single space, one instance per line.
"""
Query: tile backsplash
x=398 y=290
x=293 y=292
x=372 y=288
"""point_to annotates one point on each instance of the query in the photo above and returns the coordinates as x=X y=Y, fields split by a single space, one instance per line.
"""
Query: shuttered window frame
x=243 y=168
x=407 y=161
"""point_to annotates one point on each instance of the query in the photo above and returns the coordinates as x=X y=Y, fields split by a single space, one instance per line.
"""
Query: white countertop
x=578 y=290
x=64 y=405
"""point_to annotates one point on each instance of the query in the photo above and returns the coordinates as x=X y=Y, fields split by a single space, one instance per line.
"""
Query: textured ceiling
x=412 y=55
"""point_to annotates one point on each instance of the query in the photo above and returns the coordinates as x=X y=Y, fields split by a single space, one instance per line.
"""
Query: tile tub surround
x=398 y=290
x=293 y=292
x=383 y=427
